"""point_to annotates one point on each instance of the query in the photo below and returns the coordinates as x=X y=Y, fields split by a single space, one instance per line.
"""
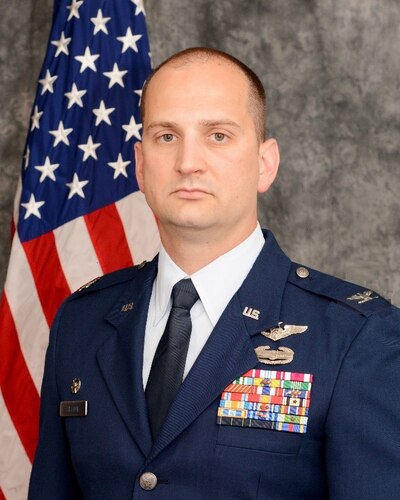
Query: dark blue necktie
x=168 y=365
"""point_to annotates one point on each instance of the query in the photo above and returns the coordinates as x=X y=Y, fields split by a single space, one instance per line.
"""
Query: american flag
x=78 y=212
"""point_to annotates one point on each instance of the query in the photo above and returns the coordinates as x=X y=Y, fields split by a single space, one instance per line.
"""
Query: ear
x=139 y=165
x=268 y=161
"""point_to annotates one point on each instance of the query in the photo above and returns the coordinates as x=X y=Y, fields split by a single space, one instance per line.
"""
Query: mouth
x=190 y=193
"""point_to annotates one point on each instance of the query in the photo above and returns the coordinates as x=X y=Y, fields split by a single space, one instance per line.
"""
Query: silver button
x=302 y=272
x=142 y=264
x=148 y=481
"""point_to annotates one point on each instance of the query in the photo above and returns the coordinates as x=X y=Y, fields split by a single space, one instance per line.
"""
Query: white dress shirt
x=215 y=283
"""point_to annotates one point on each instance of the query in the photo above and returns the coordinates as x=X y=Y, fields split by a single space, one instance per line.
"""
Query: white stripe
x=17 y=201
x=27 y=312
x=15 y=466
x=76 y=252
x=140 y=227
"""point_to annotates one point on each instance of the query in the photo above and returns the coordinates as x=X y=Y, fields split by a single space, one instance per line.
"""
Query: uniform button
x=302 y=272
x=148 y=481
x=142 y=264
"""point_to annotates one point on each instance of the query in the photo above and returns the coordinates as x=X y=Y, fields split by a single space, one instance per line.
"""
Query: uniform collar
x=263 y=290
x=215 y=283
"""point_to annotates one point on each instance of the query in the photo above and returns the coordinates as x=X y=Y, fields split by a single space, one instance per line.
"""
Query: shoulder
x=355 y=297
x=108 y=280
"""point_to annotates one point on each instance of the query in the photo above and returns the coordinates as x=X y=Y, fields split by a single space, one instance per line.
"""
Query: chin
x=191 y=223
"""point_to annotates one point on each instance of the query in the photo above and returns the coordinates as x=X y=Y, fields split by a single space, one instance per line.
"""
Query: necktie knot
x=184 y=294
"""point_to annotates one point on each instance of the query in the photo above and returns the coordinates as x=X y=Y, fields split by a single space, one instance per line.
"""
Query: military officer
x=220 y=370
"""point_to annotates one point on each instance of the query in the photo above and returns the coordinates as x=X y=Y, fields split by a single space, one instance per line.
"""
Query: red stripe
x=48 y=274
x=108 y=237
x=20 y=394
x=2 y=496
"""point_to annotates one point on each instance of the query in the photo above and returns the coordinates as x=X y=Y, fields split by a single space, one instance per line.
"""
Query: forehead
x=197 y=85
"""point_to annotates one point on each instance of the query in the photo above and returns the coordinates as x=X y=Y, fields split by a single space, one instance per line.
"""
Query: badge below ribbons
x=267 y=399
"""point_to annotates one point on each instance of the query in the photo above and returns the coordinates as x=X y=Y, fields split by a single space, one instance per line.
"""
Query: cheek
x=140 y=180
x=155 y=182
x=149 y=170
x=244 y=185
x=241 y=175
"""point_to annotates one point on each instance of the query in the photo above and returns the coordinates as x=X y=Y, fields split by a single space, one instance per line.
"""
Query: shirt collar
x=215 y=283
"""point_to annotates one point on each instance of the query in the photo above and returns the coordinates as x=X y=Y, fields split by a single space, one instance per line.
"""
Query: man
x=291 y=380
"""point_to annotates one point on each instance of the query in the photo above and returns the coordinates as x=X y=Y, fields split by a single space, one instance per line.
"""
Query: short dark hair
x=257 y=97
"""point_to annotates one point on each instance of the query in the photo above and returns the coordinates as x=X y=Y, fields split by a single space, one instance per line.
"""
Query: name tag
x=73 y=408
x=267 y=399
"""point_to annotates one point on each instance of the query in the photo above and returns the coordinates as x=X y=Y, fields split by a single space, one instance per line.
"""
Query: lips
x=192 y=193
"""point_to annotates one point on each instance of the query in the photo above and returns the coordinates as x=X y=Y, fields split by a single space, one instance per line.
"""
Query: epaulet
x=362 y=300
x=109 y=279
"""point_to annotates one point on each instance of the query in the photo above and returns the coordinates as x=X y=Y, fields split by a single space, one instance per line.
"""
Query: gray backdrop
x=331 y=69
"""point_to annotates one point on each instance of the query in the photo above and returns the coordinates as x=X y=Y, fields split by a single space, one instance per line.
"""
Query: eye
x=219 y=136
x=166 y=138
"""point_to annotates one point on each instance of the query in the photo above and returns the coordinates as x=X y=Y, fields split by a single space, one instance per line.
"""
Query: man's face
x=200 y=164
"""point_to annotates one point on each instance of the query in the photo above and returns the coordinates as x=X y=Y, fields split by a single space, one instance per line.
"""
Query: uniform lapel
x=121 y=357
x=229 y=351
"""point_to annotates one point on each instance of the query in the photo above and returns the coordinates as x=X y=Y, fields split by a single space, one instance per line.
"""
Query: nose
x=190 y=158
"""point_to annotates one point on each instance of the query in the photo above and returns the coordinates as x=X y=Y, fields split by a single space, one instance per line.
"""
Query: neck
x=191 y=250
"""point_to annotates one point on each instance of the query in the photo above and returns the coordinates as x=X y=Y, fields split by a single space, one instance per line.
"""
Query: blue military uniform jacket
x=349 y=451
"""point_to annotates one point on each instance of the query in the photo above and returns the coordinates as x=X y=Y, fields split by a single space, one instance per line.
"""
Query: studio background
x=332 y=72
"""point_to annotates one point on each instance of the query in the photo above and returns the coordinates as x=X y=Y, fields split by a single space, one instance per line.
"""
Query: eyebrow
x=162 y=125
x=203 y=123
x=218 y=123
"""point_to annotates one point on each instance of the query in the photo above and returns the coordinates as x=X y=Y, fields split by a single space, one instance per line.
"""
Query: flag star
x=27 y=156
x=102 y=114
x=87 y=60
x=35 y=118
x=74 y=9
x=47 y=82
x=129 y=41
x=32 y=207
x=115 y=76
x=89 y=149
x=75 y=96
x=61 y=134
x=62 y=45
x=100 y=23
x=47 y=170
x=75 y=187
x=132 y=129
x=119 y=166
x=139 y=7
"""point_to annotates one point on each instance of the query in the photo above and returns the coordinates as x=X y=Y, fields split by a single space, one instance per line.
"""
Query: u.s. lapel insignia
x=127 y=307
x=362 y=297
x=251 y=313
x=282 y=356
x=76 y=385
x=281 y=331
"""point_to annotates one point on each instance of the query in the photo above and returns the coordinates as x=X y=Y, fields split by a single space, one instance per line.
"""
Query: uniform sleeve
x=52 y=473
x=363 y=424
